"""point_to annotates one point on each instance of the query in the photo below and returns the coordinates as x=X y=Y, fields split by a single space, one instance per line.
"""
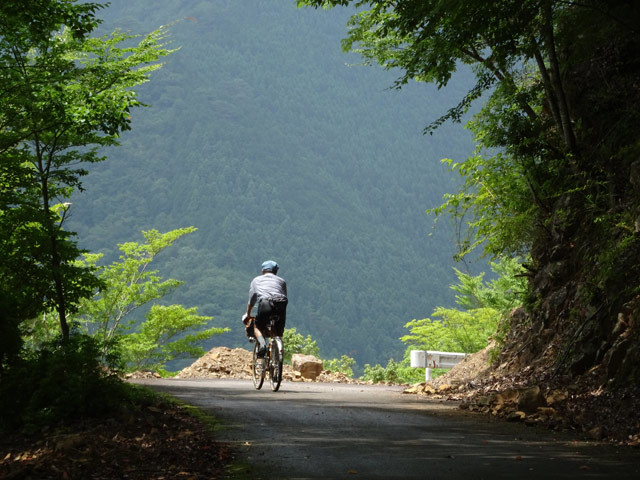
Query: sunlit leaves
x=161 y=337
x=295 y=342
x=167 y=332
x=481 y=307
x=129 y=283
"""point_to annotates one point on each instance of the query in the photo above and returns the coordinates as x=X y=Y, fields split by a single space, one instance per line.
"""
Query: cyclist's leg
x=262 y=317
x=282 y=313
x=261 y=342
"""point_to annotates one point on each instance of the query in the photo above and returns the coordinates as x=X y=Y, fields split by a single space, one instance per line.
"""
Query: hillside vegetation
x=263 y=137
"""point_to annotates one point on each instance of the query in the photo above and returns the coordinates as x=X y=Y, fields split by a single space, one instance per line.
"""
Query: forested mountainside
x=264 y=137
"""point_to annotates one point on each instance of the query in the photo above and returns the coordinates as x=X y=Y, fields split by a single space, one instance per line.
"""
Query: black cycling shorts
x=268 y=307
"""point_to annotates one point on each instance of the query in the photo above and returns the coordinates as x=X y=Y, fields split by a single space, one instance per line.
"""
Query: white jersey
x=267 y=285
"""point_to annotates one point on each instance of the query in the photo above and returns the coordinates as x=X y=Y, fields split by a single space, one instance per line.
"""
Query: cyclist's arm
x=253 y=296
x=252 y=302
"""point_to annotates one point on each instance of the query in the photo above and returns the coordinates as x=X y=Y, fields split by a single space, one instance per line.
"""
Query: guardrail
x=429 y=359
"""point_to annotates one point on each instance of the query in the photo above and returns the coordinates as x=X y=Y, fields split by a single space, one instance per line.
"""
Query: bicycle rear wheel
x=258 y=367
x=275 y=364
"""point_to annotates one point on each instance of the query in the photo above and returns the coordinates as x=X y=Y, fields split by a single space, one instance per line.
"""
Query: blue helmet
x=270 y=266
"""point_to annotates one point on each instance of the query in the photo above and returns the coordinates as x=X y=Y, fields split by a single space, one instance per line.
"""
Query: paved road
x=315 y=430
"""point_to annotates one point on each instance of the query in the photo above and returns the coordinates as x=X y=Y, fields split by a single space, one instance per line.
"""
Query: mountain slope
x=264 y=138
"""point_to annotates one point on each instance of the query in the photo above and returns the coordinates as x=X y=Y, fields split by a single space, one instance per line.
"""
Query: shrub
x=343 y=364
x=294 y=342
x=394 y=372
x=61 y=382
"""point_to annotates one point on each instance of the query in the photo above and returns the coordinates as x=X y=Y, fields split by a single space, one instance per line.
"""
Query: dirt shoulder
x=162 y=441
x=515 y=393
x=224 y=362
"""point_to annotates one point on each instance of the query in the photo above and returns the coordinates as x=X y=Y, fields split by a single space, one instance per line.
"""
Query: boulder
x=308 y=365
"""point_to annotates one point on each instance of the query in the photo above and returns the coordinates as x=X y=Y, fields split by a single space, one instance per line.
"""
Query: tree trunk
x=552 y=100
x=556 y=77
x=55 y=261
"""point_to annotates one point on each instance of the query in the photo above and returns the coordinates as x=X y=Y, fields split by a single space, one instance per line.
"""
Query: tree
x=344 y=364
x=428 y=39
x=512 y=46
x=129 y=284
x=24 y=29
x=295 y=342
x=64 y=95
x=161 y=337
x=481 y=308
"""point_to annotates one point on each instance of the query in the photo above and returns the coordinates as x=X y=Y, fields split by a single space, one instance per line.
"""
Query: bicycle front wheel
x=275 y=364
x=258 y=367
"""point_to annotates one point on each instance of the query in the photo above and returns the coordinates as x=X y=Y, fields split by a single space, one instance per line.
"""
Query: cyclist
x=269 y=292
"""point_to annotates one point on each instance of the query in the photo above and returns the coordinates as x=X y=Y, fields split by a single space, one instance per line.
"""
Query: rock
x=583 y=360
x=556 y=396
x=634 y=441
x=418 y=388
x=596 y=433
x=549 y=415
x=308 y=365
x=224 y=362
x=505 y=397
x=67 y=442
x=516 y=416
x=220 y=362
x=428 y=389
x=613 y=359
x=530 y=399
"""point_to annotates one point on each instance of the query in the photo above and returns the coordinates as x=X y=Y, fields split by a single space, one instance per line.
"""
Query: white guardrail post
x=428 y=359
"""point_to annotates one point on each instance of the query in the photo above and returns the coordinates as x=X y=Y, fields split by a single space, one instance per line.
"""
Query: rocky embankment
x=507 y=392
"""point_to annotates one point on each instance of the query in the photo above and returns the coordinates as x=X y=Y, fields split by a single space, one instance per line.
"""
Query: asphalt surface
x=321 y=430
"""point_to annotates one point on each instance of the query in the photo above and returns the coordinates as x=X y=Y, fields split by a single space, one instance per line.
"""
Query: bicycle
x=272 y=360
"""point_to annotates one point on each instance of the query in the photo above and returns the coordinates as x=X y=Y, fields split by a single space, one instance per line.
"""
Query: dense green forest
x=274 y=143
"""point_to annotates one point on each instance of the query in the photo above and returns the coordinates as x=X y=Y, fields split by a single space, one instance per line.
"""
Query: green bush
x=61 y=382
x=481 y=307
x=394 y=372
x=294 y=342
x=343 y=364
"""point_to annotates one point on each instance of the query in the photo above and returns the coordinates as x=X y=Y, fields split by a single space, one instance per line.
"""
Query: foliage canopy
x=64 y=95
